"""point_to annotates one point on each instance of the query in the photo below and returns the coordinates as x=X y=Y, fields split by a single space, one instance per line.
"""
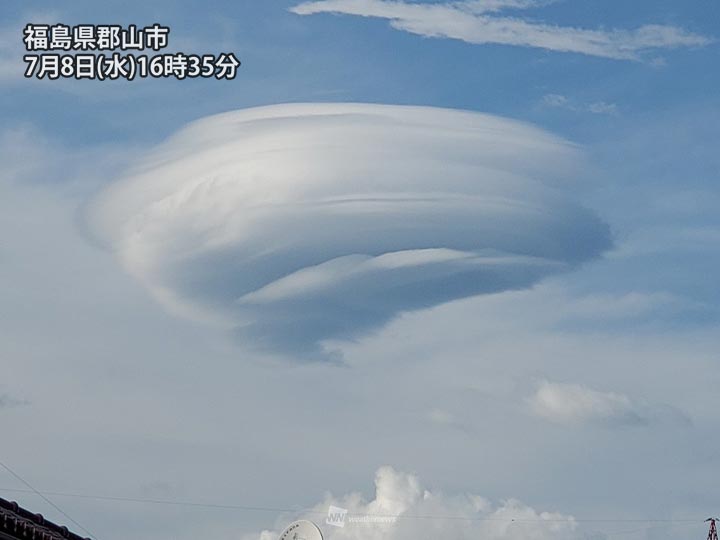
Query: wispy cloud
x=563 y=102
x=443 y=418
x=478 y=22
x=578 y=404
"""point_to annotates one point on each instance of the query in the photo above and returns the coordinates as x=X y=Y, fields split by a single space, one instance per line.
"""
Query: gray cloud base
x=295 y=224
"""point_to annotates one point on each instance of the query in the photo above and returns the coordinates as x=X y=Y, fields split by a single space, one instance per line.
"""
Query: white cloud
x=578 y=404
x=602 y=107
x=476 y=22
x=437 y=515
x=555 y=100
x=298 y=223
x=471 y=360
x=563 y=102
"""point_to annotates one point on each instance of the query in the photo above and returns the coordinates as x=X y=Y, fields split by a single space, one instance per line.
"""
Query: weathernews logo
x=337 y=517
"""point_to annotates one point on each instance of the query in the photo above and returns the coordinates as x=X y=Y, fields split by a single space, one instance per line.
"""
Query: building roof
x=16 y=522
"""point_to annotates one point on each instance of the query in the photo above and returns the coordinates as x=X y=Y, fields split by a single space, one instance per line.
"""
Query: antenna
x=712 y=534
x=305 y=530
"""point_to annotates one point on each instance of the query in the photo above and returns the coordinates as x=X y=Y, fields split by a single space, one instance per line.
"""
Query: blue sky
x=287 y=58
x=589 y=392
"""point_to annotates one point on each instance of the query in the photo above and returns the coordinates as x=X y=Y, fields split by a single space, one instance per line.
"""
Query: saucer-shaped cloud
x=299 y=223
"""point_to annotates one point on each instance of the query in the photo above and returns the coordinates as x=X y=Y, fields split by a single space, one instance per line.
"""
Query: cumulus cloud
x=298 y=223
x=423 y=513
x=476 y=21
x=578 y=404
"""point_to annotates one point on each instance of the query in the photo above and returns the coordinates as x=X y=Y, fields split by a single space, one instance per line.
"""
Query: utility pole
x=712 y=534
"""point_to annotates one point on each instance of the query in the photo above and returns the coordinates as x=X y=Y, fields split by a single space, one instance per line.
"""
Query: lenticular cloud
x=295 y=224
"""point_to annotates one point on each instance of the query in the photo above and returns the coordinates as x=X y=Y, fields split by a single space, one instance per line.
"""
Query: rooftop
x=17 y=522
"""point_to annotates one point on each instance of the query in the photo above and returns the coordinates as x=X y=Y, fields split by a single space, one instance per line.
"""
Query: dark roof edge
x=13 y=516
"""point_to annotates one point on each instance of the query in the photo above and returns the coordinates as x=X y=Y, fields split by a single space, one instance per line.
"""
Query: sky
x=449 y=261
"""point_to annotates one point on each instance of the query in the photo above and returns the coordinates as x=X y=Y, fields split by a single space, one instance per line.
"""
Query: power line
x=44 y=498
x=165 y=501
x=284 y=510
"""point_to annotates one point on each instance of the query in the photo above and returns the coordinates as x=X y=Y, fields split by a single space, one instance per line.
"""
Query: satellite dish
x=301 y=530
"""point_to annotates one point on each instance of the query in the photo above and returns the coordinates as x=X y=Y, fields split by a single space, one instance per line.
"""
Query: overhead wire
x=287 y=510
x=47 y=500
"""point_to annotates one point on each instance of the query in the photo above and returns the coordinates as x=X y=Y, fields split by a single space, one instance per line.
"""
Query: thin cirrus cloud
x=478 y=22
x=577 y=404
x=558 y=101
x=423 y=513
x=295 y=224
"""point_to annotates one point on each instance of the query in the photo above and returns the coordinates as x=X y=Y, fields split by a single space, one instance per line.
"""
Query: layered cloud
x=298 y=223
x=578 y=404
x=421 y=513
x=477 y=22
